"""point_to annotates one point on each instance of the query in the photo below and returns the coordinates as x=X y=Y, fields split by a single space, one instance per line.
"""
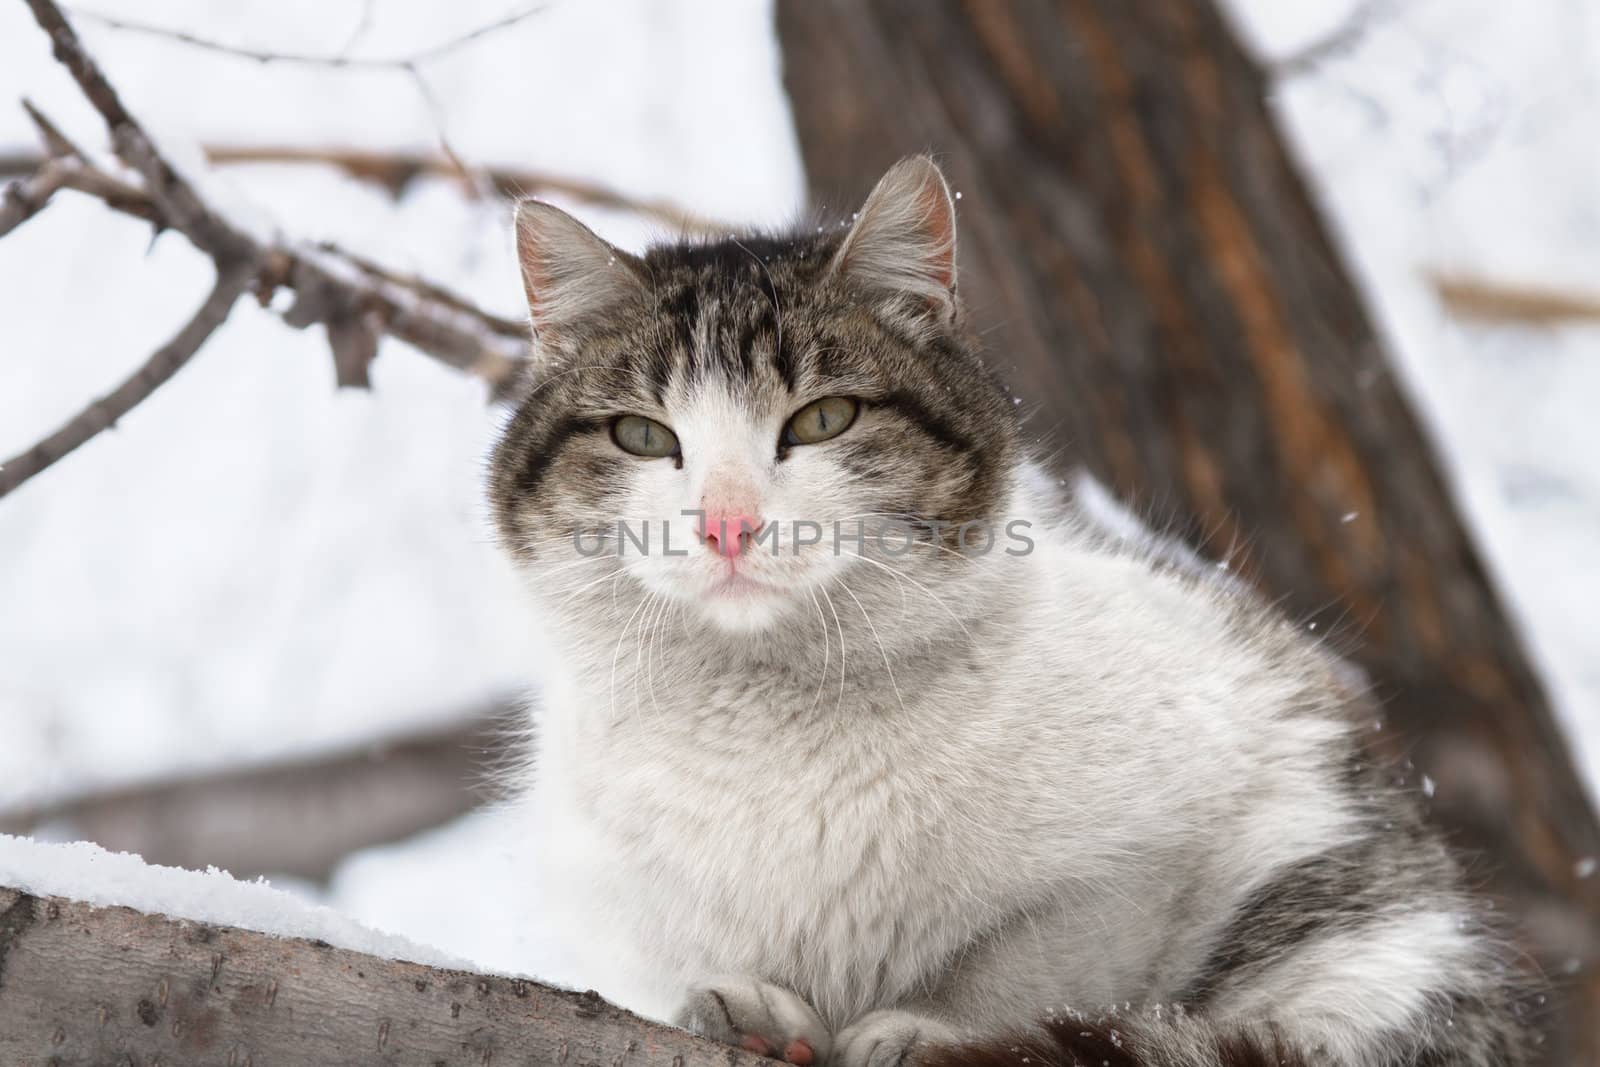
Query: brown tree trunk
x=88 y=986
x=1147 y=269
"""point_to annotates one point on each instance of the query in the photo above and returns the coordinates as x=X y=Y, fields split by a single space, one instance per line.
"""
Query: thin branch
x=117 y=194
x=181 y=205
x=363 y=24
x=1492 y=301
x=157 y=370
x=353 y=300
x=328 y=291
x=394 y=171
x=58 y=144
x=439 y=323
x=410 y=64
x=26 y=197
x=1342 y=39
x=337 y=61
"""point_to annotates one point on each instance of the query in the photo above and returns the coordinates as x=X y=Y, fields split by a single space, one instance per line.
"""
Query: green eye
x=821 y=420
x=643 y=437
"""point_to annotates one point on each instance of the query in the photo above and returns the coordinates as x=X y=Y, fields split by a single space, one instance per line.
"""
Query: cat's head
x=780 y=387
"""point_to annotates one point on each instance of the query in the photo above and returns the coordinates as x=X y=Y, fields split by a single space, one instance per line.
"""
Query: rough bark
x=1148 y=270
x=92 y=986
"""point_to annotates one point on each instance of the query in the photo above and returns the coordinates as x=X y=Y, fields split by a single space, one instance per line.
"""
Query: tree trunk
x=81 y=985
x=1146 y=267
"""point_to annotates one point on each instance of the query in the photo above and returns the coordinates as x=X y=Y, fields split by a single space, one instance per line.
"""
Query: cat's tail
x=1113 y=1041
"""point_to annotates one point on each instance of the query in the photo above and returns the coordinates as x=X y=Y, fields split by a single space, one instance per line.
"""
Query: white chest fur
x=1092 y=770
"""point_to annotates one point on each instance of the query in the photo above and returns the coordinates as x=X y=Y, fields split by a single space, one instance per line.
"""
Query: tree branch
x=86 y=986
x=299 y=817
x=26 y=197
x=103 y=413
x=394 y=171
x=1508 y=302
x=338 y=61
x=1342 y=39
x=355 y=301
x=410 y=64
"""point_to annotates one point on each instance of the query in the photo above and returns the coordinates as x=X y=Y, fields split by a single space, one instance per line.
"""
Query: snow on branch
x=159 y=965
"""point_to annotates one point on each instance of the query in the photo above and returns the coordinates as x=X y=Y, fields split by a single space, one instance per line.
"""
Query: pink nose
x=729 y=534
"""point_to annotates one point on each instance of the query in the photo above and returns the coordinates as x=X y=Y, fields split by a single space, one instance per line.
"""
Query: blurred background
x=262 y=623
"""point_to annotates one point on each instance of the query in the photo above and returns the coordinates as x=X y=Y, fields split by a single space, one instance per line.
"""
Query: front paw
x=758 y=1016
x=884 y=1038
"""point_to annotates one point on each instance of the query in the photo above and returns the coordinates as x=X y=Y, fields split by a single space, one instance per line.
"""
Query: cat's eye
x=821 y=420
x=643 y=437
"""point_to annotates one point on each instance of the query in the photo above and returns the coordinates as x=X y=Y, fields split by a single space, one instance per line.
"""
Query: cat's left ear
x=904 y=238
x=569 y=273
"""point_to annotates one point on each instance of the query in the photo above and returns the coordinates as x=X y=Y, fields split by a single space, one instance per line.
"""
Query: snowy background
x=255 y=566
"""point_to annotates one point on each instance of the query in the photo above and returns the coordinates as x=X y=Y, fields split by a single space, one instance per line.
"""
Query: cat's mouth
x=734 y=585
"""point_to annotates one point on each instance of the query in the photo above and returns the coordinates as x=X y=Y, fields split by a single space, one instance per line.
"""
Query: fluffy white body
x=1074 y=769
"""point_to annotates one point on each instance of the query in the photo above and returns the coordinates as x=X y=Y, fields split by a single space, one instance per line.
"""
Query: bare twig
x=339 y=61
x=410 y=64
x=117 y=194
x=104 y=412
x=26 y=197
x=363 y=24
x=1492 y=301
x=352 y=300
x=1343 y=38
x=55 y=142
x=443 y=325
x=396 y=170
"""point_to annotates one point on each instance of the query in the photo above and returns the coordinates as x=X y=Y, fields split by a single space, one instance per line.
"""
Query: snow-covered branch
x=90 y=985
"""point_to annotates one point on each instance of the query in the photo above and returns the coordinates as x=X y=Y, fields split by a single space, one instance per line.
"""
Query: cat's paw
x=758 y=1016
x=884 y=1038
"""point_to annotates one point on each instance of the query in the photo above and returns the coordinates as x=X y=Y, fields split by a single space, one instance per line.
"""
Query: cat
x=850 y=794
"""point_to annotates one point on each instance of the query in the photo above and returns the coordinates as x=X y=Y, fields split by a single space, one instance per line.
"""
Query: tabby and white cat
x=1062 y=800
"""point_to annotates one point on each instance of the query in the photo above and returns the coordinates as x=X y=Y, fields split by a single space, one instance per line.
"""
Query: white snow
x=85 y=872
x=501 y=927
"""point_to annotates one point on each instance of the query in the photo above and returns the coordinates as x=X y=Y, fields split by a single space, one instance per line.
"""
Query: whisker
x=881 y=650
x=823 y=619
x=590 y=585
x=615 y=656
x=840 y=627
x=931 y=595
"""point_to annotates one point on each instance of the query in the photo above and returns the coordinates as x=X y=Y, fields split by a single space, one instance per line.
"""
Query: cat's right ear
x=568 y=272
x=904 y=238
